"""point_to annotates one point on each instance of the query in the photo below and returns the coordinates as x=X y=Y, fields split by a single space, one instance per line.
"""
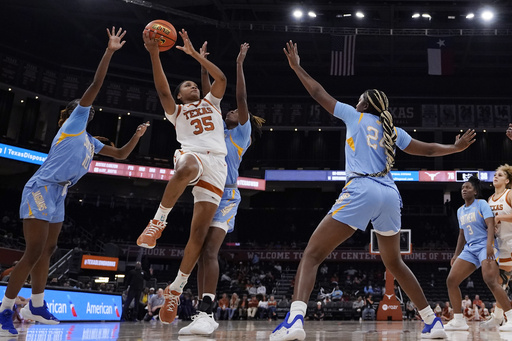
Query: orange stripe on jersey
x=232 y=194
x=213 y=106
x=507 y=198
x=350 y=143
x=30 y=214
x=179 y=111
x=210 y=187
x=505 y=259
x=348 y=183
x=360 y=118
x=240 y=150
x=339 y=209
x=64 y=135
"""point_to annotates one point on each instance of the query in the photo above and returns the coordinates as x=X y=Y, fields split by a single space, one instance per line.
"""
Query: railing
x=61 y=263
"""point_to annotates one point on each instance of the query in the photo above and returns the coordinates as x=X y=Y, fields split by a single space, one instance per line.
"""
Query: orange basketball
x=163 y=32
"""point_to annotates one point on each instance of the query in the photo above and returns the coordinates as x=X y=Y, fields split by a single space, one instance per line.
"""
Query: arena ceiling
x=390 y=46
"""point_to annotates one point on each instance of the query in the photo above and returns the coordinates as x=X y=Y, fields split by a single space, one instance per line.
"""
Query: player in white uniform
x=200 y=162
x=501 y=205
x=370 y=194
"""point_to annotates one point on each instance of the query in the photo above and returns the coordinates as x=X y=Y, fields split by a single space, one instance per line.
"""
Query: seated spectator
x=261 y=290
x=469 y=283
x=222 y=309
x=336 y=294
x=357 y=307
x=477 y=303
x=253 y=307
x=272 y=308
x=447 y=313
x=438 y=310
x=185 y=309
x=243 y=307
x=234 y=302
x=154 y=304
x=466 y=302
x=368 y=289
x=263 y=308
x=319 y=313
x=369 y=311
x=469 y=313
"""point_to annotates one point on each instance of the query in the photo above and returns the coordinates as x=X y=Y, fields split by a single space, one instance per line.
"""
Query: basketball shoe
x=289 y=331
x=506 y=327
x=492 y=322
x=6 y=322
x=39 y=314
x=168 y=312
x=435 y=330
x=202 y=324
x=456 y=325
x=151 y=233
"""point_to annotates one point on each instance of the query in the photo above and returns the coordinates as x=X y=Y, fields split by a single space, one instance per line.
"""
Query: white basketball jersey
x=500 y=206
x=199 y=126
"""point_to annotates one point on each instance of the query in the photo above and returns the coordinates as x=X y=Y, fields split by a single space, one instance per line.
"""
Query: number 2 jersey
x=199 y=126
x=472 y=221
x=70 y=154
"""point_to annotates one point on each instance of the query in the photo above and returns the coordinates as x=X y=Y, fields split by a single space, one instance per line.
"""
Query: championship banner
x=68 y=305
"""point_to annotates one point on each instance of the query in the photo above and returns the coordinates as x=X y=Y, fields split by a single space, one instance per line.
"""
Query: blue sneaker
x=289 y=331
x=39 y=314
x=6 y=321
x=435 y=330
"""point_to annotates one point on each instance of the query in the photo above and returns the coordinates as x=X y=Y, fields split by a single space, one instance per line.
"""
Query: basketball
x=163 y=32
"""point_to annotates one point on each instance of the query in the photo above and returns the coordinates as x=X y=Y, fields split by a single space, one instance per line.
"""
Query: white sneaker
x=506 y=327
x=435 y=330
x=202 y=324
x=492 y=322
x=289 y=331
x=456 y=325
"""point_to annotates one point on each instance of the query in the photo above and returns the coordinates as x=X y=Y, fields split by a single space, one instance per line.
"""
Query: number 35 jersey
x=199 y=126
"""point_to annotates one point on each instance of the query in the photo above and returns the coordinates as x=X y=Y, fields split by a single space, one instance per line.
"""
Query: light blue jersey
x=237 y=140
x=364 y=149
x=472 y=221
x=69 y=158
x=365 y=199
x=71 y=152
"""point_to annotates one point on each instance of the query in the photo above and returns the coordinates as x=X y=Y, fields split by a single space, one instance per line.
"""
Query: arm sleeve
x=97 y=145
x=403 y=139
x=77 y=121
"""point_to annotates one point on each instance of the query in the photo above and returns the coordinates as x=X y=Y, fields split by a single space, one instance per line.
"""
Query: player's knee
x=451 y=281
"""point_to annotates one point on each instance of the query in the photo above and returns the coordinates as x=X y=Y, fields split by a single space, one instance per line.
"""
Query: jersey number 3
x=203 y=124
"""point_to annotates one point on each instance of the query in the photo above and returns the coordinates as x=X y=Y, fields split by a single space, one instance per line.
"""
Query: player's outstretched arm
x=241 y=90
x=124 y=151
x=115 y=42
x=314 y=88
x=205 y=77
x=219 y=84
x=161 y=84
x=421 y=148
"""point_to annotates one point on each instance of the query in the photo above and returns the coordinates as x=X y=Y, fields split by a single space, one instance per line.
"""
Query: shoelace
x=153 y=229
x=174 y=301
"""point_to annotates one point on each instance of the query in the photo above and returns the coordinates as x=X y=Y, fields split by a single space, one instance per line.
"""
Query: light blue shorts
x=225 y=215
x=43 y=202
x=363 y=200
x=476 y=253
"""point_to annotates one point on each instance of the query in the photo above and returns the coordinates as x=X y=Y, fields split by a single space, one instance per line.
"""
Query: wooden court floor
x=243 y=330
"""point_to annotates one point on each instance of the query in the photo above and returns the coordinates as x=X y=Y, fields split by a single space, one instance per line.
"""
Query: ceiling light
x=415 y=15
x=426 y=16
x=298 y=13
x=487 y=15
x=451 y=17
x=311 y=14
x=359 y=14
x=470 y=15
x=347 y=15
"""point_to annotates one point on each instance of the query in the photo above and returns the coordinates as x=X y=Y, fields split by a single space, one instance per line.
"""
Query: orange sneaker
x=151 y=233
x=168 y=312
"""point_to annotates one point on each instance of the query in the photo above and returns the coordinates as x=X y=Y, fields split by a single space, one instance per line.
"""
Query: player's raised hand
x=203 y=51
x=464 y=141
x=141 y=129
x=243 y=53
x=292 y=54
x=187 y=47
x=115 y=41
x=151 y=44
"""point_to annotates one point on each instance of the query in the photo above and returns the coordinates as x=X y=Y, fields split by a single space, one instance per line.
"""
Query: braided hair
x=66 y=112
x=475 y=182
x=378 y=104
x=256 y=124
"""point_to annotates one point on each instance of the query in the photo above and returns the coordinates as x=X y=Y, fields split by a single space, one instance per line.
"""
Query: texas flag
x=440 y=57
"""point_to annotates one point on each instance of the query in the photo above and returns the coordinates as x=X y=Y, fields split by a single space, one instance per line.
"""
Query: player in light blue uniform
x=240 y=130
x=42 y=205
x=475 y=248
x=369 y=195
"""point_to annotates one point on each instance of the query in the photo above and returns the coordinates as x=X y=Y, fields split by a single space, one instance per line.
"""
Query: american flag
x=342 y=55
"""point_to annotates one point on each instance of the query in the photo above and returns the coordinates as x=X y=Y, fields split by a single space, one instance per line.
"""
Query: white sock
x=458 y=317
x=427 y=315
x=508 y=314
x=297 y=308
x=37 y=300
x=498 y=313
x=212 y=296
x=162 y=213
x=7 y=303
x=180 y=282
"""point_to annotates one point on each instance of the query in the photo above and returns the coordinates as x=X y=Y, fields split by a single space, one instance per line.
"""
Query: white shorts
x=211 y=177
x=505 y=247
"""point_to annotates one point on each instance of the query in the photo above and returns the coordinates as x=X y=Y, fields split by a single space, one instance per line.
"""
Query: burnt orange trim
x=506 y=198
x=179 y=111
x=213 y=106
x=499 y=196
x=210 y=187
x=505 y=259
